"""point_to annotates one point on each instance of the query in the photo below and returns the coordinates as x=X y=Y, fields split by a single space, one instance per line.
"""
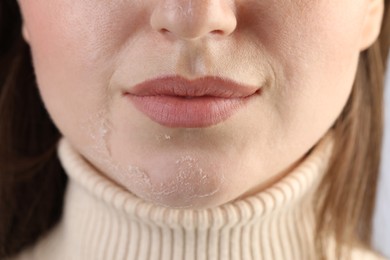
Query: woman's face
x=194 y=103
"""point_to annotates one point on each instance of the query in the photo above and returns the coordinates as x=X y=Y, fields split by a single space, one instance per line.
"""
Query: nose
x=194 y=19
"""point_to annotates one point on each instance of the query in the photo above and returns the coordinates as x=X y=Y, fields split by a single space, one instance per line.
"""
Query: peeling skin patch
x=189 y=182
x=98 y=128
x=163 y=137
x=140 y=177
x=194 y=180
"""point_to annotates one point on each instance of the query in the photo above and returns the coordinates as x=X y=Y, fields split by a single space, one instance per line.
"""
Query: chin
x=191 y=175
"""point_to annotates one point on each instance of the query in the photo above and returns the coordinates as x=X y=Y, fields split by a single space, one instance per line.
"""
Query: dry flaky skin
x=189 y=179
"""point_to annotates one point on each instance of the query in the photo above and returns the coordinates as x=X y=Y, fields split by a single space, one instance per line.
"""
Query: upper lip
x=201 y=87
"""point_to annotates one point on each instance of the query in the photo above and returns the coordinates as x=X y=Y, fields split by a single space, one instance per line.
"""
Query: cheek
x=79 y=36
x=321 y=33
x=316 y=50
x=74 y=46
x=314 y=54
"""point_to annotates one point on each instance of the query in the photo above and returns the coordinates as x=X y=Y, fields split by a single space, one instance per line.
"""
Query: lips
x=178 y=102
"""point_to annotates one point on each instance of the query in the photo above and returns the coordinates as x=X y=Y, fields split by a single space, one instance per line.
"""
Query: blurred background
x=382 y=216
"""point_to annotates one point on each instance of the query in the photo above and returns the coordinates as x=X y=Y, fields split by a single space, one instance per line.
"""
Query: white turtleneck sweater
x=103 y=221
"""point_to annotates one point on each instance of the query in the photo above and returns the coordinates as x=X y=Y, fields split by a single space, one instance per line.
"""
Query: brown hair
x=347 y=194
x=32 y=181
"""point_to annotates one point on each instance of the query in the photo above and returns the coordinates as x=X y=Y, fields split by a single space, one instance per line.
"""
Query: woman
x=190 y=129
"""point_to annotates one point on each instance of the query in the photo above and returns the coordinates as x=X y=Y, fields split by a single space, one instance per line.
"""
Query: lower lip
x=173 y=111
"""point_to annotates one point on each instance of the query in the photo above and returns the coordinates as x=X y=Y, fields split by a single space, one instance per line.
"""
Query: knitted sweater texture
x=103 y=221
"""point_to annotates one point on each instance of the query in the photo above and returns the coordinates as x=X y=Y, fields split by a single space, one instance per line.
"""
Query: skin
x=302 y=53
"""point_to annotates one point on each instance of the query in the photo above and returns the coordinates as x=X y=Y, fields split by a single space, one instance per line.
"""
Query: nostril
x=163 y=30
x=218 y=32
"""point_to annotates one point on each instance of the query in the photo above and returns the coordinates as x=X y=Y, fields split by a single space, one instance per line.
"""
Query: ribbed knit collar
x=103 y=221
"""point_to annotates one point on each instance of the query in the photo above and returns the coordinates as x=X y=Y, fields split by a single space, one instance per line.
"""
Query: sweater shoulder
x=365 y=254
x=356 y=251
